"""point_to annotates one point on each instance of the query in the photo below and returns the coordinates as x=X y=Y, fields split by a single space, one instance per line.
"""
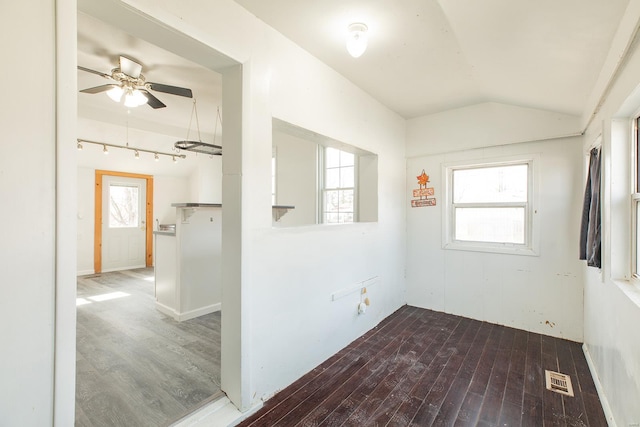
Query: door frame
x=97 y=233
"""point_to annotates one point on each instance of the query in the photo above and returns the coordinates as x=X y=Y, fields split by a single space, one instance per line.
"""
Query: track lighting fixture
x=136 y=150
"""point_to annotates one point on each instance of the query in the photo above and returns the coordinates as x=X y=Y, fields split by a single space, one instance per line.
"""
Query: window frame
x=531 y=245
x=322 y=190
x=635 y=195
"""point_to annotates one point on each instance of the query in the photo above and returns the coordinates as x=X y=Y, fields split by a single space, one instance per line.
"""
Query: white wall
x=86 y=220
x=535 y=293
x=199 y=260
x=612 y=302
x=27 y=186
x=205 y=181
x=487 y=124
x=167 y=190
x=288 y=274
x=296 y=179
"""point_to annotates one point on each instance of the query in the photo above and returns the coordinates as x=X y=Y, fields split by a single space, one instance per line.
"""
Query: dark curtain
x=590 y=237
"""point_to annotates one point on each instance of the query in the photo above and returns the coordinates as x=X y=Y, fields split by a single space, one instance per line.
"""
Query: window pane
x=347 y=177
x=331 y=201
x=494 y=184
x=332 y=157
x=332 y=177
x=496 y=225
x=123 y=206
x=332 y=218
x=345 y=217
x=346 y=201
x=346 y=159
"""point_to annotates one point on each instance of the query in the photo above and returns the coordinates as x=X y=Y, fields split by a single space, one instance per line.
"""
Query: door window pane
x=123 y=206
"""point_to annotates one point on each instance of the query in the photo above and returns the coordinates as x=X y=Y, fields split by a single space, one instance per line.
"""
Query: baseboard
x=85 y=272
x=596 y=380
x=198 y=312
x=181 y=317
x=166 y=310
x=219 y=413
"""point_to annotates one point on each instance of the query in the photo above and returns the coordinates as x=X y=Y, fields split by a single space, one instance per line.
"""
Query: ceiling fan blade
x=130 y=67
x=99 y=89
x=88 y=70
x=152 y=100
x=174 y=90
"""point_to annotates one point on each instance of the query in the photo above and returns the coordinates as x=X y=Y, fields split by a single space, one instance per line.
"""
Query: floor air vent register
x=560 y=383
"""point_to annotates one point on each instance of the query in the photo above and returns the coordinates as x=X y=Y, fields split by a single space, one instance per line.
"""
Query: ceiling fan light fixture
x=357 y=39
x=115 y=93
x=134 y=98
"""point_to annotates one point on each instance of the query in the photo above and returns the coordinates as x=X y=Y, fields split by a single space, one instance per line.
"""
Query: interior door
x=123 y=223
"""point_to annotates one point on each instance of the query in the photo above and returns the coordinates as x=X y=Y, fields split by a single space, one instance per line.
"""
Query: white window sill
x=497 y=249
x=631 y=289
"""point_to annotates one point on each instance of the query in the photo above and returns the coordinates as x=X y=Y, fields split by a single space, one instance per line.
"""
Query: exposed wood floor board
x=136 y=366
x=425 y=368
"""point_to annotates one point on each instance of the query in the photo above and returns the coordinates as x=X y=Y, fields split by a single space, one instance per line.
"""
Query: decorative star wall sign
x=423 y=195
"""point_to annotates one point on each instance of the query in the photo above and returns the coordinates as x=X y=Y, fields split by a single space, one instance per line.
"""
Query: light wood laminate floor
x=135 y=366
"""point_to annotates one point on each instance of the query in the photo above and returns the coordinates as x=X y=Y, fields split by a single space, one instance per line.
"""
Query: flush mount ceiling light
x=357 y=39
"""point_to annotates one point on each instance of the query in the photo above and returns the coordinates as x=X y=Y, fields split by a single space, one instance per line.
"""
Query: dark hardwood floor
x=424 y=368
x=135 y=366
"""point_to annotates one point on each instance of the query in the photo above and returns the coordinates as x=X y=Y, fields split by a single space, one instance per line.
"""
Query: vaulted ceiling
x=426 y=56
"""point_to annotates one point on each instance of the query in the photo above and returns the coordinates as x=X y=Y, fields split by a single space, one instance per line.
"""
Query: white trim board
x=180 y=317
x=351 y=289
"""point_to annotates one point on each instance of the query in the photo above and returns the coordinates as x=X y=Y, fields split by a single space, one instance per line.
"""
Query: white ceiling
x=426 y=56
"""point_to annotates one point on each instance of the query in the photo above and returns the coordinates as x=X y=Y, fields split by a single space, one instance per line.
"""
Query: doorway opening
x=163 y=34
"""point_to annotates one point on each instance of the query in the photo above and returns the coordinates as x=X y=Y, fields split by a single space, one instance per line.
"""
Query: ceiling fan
x=131 y=83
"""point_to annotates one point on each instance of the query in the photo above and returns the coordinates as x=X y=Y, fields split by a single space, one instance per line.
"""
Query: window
x=338 y=195
x=490 y=207
x=123 y=206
